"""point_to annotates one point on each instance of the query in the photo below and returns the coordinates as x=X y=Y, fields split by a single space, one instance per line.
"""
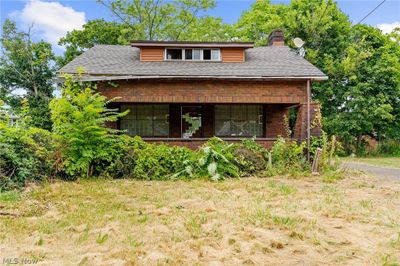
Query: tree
x=28 y=66
x=94 y=32
x=367 y=97
x=361 y=96
x=79 y=118
x=158 y=19
x=147 y=20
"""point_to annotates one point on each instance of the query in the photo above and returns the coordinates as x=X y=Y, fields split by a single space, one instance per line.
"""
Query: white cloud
x=388 y=27
x=51 y=20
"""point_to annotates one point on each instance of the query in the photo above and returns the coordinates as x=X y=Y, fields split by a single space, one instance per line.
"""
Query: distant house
x=186 y=92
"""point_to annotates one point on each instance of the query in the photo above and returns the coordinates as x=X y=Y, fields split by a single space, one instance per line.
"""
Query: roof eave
x=132 y=77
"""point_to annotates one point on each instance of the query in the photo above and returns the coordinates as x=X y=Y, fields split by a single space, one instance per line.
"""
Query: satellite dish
x=298 y=42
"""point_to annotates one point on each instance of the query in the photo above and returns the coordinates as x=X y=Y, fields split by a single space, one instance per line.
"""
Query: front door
x=191 y=122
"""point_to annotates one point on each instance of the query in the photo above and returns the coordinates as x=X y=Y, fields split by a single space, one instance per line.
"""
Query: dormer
x=176 y=51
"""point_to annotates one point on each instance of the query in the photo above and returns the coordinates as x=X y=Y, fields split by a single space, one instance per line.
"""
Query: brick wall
x=274 y=120
x=300 y=132
x=277 y=95
x=206 y=91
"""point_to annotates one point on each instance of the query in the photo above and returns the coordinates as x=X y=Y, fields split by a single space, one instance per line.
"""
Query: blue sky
x=53 y=18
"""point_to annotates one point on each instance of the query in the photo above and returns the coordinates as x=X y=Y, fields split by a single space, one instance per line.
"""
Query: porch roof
x=113 y=62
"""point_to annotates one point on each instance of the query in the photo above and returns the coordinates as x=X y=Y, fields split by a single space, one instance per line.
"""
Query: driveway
x=382 y=172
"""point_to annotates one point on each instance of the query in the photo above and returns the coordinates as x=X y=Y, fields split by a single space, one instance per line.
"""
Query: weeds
x=101 y=238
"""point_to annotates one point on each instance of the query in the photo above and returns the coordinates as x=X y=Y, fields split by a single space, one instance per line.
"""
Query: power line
x=372 y=11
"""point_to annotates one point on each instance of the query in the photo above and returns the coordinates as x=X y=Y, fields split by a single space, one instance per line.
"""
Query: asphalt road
x=382 y=172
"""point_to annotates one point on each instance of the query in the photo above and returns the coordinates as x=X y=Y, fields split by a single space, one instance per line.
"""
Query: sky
x=52 y=19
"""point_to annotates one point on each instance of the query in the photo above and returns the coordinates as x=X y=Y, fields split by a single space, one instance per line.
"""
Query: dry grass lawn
x=254 y=221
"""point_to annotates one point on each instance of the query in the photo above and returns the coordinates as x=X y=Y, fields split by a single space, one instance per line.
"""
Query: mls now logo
x=13 y=261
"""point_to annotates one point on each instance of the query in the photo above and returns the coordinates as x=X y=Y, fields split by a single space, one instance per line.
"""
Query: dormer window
x=188 y=54
x=174 y=54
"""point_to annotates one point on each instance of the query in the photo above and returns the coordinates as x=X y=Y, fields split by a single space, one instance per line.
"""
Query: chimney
x=276 y=38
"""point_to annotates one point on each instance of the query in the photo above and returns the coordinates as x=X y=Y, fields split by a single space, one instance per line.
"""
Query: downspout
x=308 y=119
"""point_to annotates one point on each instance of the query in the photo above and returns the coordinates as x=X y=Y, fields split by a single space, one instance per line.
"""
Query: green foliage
x=26 y=65
x=217 y=160
x=147 y=20
x=367 y=96
x=389 y=147
x=287 y=156
x=330 y=147
x=152 y=20
x=79 y=119
x=361 y=96
x=25 y=154
x=94 y=32
x=123 y=154
x=161 y=161
x=251 y=158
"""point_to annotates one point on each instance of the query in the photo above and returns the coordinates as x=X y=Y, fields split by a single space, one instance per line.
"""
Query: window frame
x=183 y=56
x=260 y=121
x=166 y=117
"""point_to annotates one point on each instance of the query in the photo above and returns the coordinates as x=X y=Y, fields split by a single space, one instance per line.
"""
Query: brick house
x=186 y=92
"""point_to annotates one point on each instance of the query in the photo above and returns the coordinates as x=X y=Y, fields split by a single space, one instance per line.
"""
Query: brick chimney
x=276 y=38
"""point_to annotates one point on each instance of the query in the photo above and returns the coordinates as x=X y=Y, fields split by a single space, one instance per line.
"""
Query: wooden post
x=315 y=164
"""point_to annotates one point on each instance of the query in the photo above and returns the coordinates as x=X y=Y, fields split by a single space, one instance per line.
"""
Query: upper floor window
x=193 y=54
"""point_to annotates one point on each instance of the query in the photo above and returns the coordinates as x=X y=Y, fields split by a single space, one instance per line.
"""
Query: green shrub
x=217 y=160
x=122 y=157
x=389 y=147
x=328 y=160
x=288 y=158
x=161 y=162
x=250 y=157
x=79 y=118
x=25 y=155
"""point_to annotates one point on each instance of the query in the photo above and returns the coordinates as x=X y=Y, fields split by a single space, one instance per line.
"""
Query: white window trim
x=193 y=60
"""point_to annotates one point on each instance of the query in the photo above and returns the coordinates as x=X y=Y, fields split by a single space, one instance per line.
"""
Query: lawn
x=393 y=162
x=270 y=221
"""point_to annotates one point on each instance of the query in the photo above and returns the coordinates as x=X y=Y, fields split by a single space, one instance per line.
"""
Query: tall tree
x=158 y=19
x=361 y=96
x=367 y=96
x=28 y=66
x=147 y=20
x=94 y=32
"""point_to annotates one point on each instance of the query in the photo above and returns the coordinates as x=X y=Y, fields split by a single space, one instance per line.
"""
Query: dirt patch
x=251 y=221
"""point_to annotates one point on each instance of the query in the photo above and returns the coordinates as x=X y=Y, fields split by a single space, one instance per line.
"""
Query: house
x=186 y=92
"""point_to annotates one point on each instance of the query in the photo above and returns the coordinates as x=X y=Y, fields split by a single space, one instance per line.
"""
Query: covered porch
x=191 y=124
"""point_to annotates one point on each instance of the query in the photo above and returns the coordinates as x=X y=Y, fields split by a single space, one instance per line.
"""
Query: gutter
x=131 y=77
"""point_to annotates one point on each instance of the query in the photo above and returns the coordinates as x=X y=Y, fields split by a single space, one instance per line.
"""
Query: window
x=206 y=54
x=196 y=54
x=188 y=54
x=146 y=120
x=238 y=120
x=192 y=54
x=174 y=54
x=215 y=54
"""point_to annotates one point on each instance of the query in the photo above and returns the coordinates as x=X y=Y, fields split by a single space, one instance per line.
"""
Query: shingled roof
x=113 y=62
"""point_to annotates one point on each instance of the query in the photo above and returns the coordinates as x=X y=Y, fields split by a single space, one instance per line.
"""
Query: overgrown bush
x=122 y=157
x=161 y=161
x=287 y=158
x=330 y=148
x=251 y=158
x=82 y=145
x=217 y=159
x=25 y=154
x=79 y=118
x=389 y=147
